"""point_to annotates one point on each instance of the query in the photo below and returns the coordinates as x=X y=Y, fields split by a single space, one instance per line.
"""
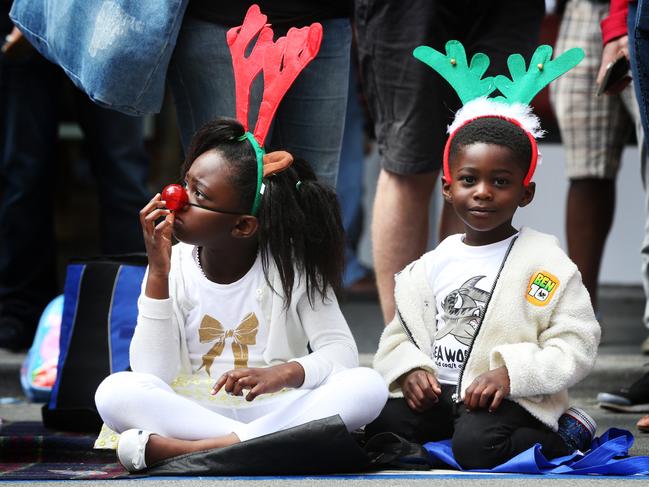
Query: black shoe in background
x=632 y=399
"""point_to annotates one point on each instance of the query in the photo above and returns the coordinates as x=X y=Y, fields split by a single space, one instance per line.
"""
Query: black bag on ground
x=99 y=316
x=389 y=450
x=318 y=447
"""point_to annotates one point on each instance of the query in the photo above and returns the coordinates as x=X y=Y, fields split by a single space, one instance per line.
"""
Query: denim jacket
x=116 y=51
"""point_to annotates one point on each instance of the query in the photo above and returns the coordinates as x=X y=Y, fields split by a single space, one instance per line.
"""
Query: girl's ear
x=245 y=227
x=528 y=194
x=446 y=190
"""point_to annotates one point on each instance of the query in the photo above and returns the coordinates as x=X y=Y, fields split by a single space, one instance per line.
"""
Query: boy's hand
x=260 y=380
x=488 y=390
x=420 y=389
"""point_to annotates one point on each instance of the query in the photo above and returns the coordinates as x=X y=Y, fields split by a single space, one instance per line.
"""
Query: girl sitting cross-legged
x=239 y=333
x=220 y=352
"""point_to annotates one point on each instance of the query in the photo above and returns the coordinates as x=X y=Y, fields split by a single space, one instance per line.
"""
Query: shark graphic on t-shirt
x=462 y=311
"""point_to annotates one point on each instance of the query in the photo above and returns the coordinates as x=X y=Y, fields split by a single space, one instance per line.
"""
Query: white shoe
x=131 y=447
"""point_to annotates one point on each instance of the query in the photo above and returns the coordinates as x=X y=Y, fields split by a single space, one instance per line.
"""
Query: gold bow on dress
x=244 y=335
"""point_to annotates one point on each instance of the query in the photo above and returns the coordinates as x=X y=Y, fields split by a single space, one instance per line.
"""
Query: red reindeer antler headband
x=281 y=62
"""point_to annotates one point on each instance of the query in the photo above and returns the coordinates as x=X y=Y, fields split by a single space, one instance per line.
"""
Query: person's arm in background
x=614 y=35
x=14 y=44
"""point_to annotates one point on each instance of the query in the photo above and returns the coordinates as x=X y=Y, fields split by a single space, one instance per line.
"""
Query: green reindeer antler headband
x=474 y=90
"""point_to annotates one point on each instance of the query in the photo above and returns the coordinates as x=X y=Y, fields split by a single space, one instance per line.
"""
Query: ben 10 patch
x=541 y=288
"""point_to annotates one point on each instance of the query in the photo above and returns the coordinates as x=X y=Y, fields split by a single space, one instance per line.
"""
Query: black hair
x=497 y=131
x=299 y=224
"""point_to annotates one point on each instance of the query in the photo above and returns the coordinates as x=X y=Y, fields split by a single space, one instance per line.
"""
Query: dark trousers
x=30 y=95
x=480 y=439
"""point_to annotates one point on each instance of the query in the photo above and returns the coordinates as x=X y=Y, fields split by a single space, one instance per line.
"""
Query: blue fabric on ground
x=608 y=456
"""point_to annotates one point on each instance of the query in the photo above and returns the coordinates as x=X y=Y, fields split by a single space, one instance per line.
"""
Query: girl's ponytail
x=301 y=228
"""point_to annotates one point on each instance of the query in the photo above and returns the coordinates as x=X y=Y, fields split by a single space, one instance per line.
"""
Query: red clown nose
x=175 y=196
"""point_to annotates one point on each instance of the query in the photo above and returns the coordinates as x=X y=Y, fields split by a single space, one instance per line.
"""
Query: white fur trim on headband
x=481 y=107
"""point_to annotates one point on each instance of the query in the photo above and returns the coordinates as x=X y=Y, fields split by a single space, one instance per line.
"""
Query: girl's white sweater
x=159 y=345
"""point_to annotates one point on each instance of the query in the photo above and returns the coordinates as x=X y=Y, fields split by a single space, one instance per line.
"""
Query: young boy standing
x=494 y=325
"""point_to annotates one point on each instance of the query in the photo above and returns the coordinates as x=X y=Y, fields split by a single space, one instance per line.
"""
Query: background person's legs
x=29 y=111
x=589 y=217
x=644 y=249
x=310 y=120
x=637 y=395
x=201 y=77
x=633 y=105
x=405 y=100
x=594 y=130
x=412 y=106
x=115 y=144
x=498 y=28
x=399 y=228
x=349 y=186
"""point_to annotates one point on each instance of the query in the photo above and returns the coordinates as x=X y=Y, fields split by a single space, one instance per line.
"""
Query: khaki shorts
x=594 y=129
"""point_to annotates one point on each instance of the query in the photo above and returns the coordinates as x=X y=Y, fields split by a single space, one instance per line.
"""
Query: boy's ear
x=528 y=194
x=446 y=190
x=245 y=227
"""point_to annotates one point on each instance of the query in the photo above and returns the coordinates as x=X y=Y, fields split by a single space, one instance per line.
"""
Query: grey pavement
x=619 y=362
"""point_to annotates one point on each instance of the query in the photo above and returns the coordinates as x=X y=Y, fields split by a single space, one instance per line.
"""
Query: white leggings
x=128 y=400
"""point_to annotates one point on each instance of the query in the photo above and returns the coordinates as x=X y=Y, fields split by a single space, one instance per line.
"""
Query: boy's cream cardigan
x=539 y=323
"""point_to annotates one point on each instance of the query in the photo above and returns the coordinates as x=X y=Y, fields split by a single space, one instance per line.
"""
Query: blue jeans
x=638 y=27
x=115 y=51
x=350 y=184
x=309 y=122
x=30 y=90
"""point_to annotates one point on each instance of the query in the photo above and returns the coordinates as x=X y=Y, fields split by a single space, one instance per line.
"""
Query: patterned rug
x=28 y=451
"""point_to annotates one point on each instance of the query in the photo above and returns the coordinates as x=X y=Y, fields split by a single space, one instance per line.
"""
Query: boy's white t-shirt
x=461 y=276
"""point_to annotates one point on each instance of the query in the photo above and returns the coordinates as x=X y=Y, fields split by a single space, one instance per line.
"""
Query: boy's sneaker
x=634 y=399
x=577 y=429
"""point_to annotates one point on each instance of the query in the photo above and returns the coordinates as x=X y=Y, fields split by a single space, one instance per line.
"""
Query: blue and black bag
x=99 y=316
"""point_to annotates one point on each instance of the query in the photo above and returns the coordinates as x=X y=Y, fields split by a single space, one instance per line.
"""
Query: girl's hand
x=157 y=238
x=420 y=388
x=488 y=390
x=260 y=380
